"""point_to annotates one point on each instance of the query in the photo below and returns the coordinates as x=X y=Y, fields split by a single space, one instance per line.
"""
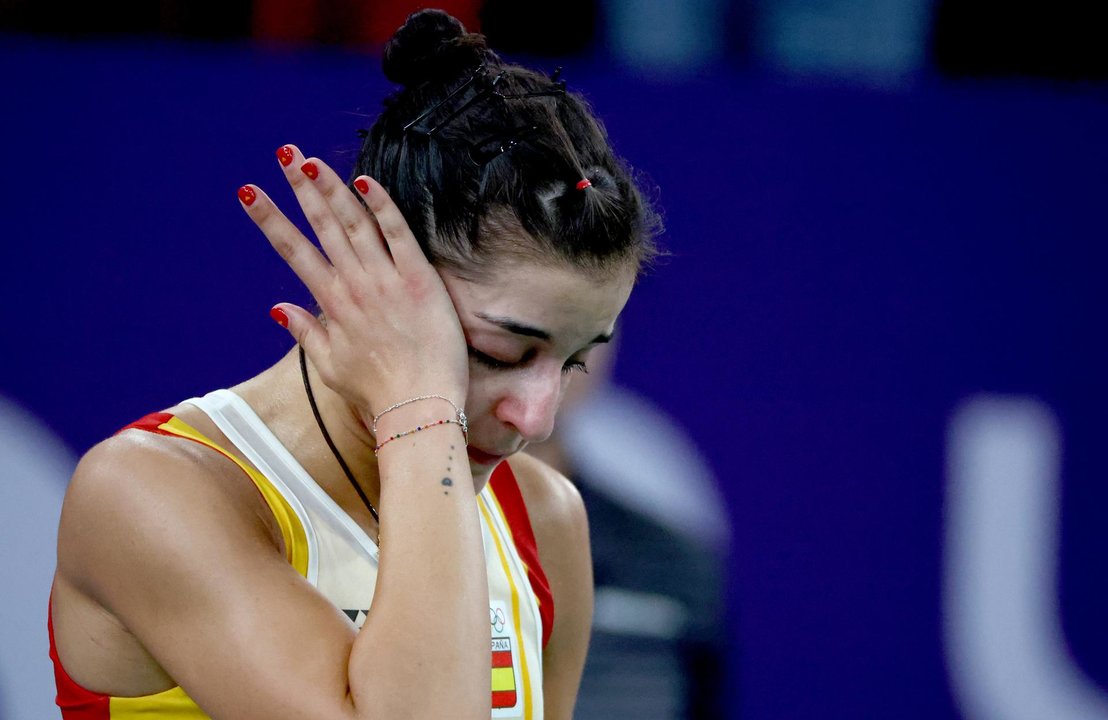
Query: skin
x=171 y=570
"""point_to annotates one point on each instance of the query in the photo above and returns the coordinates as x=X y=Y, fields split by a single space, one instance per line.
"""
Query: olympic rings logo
x=497 y=619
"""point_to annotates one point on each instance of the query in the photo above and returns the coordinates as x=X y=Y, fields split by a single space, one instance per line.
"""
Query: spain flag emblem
x=503 y=675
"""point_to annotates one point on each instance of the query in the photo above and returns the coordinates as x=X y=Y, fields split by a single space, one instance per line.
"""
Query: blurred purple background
x=857 y=247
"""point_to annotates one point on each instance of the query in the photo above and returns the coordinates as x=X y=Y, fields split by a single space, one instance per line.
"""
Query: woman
x=220 y=559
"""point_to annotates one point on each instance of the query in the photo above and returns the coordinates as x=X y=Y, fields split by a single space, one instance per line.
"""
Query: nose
x=531 y=404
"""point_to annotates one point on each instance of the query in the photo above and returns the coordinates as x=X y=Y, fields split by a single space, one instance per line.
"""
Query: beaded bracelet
x=459 y=413
x=420 y=428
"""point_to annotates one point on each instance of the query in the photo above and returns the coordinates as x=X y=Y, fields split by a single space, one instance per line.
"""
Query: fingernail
x=310 y=170
x=247 y=195
x=362 y=185
x=284 y=154
x=279 y=315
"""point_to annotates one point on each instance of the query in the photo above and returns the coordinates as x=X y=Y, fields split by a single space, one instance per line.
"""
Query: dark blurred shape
x=666 y=39
x=204 y=19
x=336 y=22
x=865 y=43
x=209 y=19
x=540 y=28
x=1062 y=39
x=659 y=533
x=347 y=22
x=657 y=650
x=741 y=31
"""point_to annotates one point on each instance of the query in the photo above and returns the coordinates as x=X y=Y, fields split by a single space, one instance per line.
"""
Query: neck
x=279 y=396
x=314 y=405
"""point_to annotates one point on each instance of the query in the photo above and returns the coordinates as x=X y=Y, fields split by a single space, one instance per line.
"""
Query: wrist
x=415 y=415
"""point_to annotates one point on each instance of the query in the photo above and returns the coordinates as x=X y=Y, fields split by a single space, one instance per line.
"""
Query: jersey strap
x=506 y=489
x=292 y=530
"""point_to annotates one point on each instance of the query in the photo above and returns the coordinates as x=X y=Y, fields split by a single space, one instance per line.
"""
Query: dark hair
x=499 y=155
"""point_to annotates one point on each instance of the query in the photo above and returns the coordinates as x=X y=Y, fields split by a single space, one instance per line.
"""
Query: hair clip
x=481 y=73
x=489 y=89
x=488 y=149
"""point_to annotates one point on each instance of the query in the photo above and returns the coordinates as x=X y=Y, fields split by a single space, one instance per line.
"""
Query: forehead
x=565 y=302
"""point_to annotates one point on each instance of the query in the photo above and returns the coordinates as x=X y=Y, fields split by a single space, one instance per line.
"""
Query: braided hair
x=489 y=160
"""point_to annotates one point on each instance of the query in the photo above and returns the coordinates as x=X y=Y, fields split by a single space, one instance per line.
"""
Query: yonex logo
x=357 y=617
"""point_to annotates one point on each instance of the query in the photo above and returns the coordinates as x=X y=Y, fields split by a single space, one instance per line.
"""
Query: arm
x=173 y=548
x=561 y=529
x=392 y=333
x=170 y=540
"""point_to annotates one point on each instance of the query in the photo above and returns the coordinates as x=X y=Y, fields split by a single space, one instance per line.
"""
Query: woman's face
x=529 y=328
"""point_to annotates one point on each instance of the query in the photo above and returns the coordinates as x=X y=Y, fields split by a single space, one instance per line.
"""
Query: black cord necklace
x=330 y=442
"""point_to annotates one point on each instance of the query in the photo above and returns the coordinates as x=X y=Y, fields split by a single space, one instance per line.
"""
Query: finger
x=359 y=225
x=406 y=252
x=296 y=250
x=305 y=328
x=301 y=172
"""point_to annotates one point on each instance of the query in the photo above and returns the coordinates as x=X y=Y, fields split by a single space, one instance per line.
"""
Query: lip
x=483 y=458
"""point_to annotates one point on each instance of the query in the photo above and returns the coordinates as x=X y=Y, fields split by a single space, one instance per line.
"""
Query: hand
x=391 y=328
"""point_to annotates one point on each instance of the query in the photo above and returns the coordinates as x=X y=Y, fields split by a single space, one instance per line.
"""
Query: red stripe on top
x=75 y=702
x=150 y=423
x=503 y=482
x=153 y=423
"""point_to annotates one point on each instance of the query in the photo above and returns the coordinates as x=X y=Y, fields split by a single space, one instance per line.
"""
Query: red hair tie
x=584 y=183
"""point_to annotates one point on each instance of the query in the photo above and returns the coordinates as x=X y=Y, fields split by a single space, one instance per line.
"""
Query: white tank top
x=336 y=556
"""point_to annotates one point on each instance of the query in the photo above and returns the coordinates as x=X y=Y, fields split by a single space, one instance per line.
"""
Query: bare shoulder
x=135 y=489
x=561 y=528
x=553 y=503
x=135 y=469
x=143 y=516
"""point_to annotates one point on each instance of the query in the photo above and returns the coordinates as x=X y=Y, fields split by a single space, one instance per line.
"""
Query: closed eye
x=572 y=365
x=489 y=361
x=496 y=364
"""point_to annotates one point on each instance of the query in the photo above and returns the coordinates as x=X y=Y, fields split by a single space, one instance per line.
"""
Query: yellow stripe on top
x=528 y=713
x=292 y=531
x=173 y=704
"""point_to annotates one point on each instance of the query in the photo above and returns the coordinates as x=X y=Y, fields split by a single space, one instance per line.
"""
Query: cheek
x=488 y=387
x=481 y=394
x=567 y=379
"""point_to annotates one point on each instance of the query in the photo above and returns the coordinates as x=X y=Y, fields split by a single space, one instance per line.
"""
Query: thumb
x=304 y=327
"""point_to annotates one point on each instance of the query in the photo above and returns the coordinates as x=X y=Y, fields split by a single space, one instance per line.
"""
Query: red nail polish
x=362 y=185
x=247 y=195
x=284 y=154
x=310 y=170
x=279 y=315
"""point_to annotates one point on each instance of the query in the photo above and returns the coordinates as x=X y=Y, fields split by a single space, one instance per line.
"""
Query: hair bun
x=431 y=45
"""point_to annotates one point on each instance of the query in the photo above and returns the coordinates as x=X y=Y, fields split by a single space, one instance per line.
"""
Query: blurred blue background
x=875 y=211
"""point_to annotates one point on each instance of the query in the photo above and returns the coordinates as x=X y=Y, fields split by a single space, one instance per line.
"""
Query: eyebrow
x=519 y=328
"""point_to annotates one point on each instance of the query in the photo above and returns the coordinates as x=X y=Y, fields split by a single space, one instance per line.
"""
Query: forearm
x=428 y=627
